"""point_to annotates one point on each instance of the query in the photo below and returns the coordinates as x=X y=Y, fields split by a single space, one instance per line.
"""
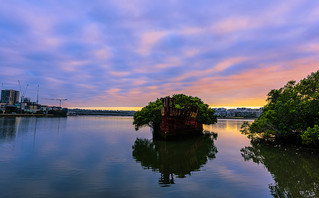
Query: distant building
x=25 y=103
x=9 y=96
x=3 y=107
x=221 y=112
x=239 y=112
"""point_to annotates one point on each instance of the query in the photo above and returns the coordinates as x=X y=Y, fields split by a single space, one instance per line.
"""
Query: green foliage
x=150 y=115
x=11 y=109
x=244 y=129
x=205 y=114
x=290 y=111
x=311 y=136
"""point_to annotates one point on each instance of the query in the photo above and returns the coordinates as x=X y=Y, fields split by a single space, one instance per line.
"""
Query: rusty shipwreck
x=176 y=123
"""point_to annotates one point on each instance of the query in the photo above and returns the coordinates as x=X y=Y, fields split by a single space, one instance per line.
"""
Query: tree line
x=291 y=114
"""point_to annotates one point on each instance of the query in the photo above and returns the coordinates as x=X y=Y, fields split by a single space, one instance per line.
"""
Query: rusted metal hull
x=177 y=123
x=173 y=128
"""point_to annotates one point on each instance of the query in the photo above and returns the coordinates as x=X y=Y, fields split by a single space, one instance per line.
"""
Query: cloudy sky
x=130 y=52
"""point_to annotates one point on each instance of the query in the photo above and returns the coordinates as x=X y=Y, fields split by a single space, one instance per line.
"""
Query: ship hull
x=177 y=123
x=172 y=128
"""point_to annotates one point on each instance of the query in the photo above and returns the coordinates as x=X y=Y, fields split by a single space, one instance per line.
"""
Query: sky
x=125 y=53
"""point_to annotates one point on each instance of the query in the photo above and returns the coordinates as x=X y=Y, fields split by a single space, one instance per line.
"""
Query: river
x=99 y=156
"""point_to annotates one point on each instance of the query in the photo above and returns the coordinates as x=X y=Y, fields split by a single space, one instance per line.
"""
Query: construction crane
x=22 y=93
x=38 y=95
x=57 y=99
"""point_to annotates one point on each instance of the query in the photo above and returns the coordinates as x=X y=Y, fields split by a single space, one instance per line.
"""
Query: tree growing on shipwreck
x=175 y=116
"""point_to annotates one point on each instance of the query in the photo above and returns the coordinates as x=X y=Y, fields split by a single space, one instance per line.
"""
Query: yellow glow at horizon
x=253 y=103
x=235 y=107
x=109 y=108
x=139 y=108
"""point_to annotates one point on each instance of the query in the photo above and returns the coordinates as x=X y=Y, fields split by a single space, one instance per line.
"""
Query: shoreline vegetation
x=78 y=112
x=50 y=113
x=291 y=115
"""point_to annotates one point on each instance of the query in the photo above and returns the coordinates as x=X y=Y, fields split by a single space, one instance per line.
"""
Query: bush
x=311 y=136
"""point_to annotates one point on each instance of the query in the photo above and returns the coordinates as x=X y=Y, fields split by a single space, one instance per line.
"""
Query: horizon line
x=139 y=108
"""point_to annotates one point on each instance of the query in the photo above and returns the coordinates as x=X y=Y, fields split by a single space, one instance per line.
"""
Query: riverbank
x=29 y=115
x=235 y=118
x=100 y=112
x=106 y=113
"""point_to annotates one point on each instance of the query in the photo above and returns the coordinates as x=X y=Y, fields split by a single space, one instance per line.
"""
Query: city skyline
x=122 y=53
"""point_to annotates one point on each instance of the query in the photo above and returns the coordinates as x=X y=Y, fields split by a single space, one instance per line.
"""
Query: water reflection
x=293 y=169
x=12 y=128
x=178 y=158
x=8 y=128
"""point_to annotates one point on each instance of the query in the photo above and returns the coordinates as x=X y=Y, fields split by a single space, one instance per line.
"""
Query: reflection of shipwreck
x=175 y=158
x=178 y=122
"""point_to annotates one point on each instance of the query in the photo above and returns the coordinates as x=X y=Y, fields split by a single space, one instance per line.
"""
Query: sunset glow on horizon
x=124 y=54
x=139 y=108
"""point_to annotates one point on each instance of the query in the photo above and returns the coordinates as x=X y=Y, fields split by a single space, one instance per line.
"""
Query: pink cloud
x=85 y=86
x=251 y=86
x=234 y=24
x=191 y=52
x=113 y=91
x=91 y=33
x=169 y=62
x=119 y=74
x=248 y=88
x=220 y=66
x=310 y=47
x=102 y=54
x=73 y=65
x=191 y=30
x=138 y=81
x=149 y=39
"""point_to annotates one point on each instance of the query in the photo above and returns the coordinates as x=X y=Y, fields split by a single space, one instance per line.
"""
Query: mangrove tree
x=291 y=114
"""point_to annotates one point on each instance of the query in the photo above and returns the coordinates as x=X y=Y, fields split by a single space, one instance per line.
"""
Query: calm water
x=104 y=157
